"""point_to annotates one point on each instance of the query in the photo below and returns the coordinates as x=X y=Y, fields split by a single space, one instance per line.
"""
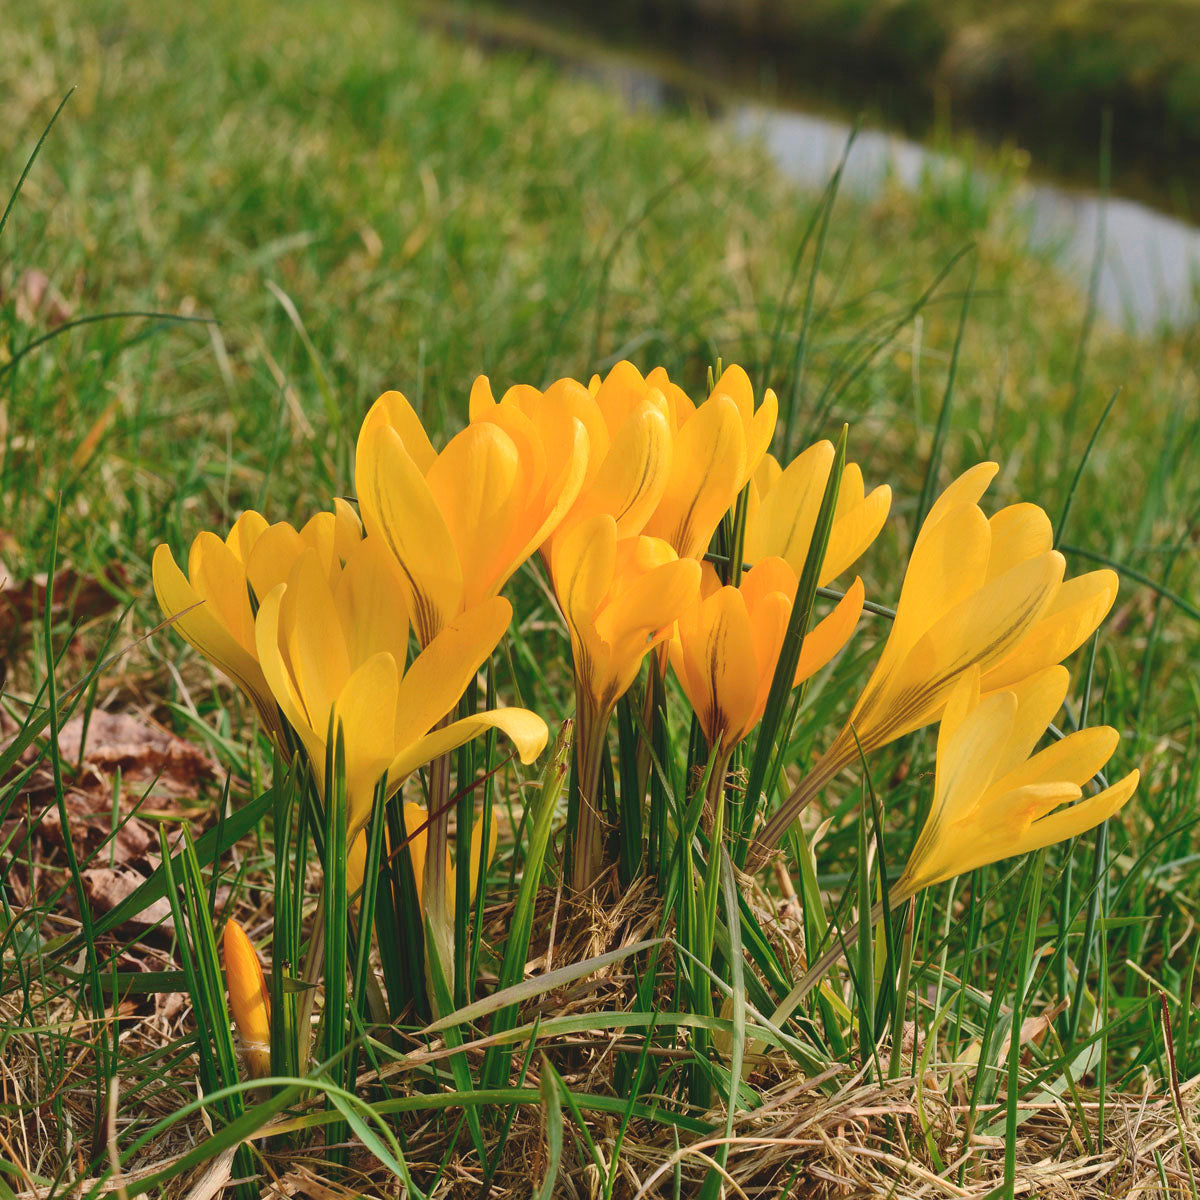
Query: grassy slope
x=430 y=214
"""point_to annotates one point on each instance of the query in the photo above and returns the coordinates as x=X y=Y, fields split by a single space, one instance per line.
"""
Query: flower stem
x=841 y=754
x=587 y=849
x=439 y=920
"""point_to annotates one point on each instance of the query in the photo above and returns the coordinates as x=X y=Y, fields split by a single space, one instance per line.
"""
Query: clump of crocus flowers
x=677 y=546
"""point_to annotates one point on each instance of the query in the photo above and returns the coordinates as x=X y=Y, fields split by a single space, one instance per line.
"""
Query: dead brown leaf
x=140 y=748
x=106 y=887
x=72 y=595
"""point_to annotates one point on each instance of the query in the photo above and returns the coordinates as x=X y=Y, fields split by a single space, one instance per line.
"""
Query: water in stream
x=1149 y=262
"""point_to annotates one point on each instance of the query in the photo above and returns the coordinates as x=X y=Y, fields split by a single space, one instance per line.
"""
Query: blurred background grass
x=352 y=202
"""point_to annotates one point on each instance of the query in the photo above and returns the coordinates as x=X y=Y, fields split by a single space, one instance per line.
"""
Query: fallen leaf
x=106 y=887
x=141 y=749
x=72 y=595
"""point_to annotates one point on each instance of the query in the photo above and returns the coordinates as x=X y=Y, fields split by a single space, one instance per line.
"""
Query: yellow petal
x=630 y=482
x=439 y=675
x=397 y=505
x=1019 y=531
x=347 y=528
x=582 y=565
x=735 y=384
x=720 y=648
x=332 y=536
x=369 y=599
x=366 y=709
x=476 y=485
x=249 y=1001
x=786 y=516
x=831 y=633
x=707 y=467
x=968 y=755
x=853 y=531
x=948 y=565
x=482 y=404
x=1079 y=818
x=394 y=411
x=219 y=576
x=1076 y=759
x=1074 y=614
x=277 y=671
x=977 y=632
x=202 y=629
x=527 y=732
x=1039 y=697
x=313 y=639
x=572 y=453
x=967 y=489
x=272 y=558
x=760 y=430
x=247 y=529
x=651 y=601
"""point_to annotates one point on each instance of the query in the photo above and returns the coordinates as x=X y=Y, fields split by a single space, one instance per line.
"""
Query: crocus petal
x=313 y=638
x=527 y=732
x=272 y=558
x=706 y=470
x=630 y=482
x=283 y=689
x=394 y=411
x=246 y=530
x=947 y=566
x=978 y=631
x=439 y=675
x=397 y=505
x=1074 y=614
x=785 y=517
x=249 y=1002
x=475 y=485
x=369 y=599
x=723 y=664
x=853 y=531
x=1079 y=818
x=831 y=633
x=1076 y=758
x=967 y=489
x=1019 y=531
x=200 y=627
x=366 y=709
x=582 y=565
x=1039 y=697
x=219 y=576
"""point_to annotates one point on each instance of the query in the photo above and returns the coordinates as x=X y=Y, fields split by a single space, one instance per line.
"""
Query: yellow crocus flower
x=718 y=446
x=338 y=646
x=977 y=592
x=992 y=797
x=784 y=504
x=627 y=427
x=461 y=522
x=727 y=645
x=620 y=598
x=249 y=1000
x=212 y=602
x=416 y=825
